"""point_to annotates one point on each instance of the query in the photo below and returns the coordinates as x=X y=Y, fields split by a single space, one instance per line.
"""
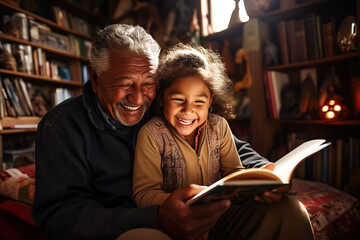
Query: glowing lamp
x=333 y=109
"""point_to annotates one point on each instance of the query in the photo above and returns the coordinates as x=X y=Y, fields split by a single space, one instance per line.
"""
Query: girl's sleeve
x=230 y=160
x=147 y=175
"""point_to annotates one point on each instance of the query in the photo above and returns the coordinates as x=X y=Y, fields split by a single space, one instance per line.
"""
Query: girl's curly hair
x=183 y=60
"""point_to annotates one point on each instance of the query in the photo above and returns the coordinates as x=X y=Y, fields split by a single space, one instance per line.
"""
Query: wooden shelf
x=18 y=131
x=316 y=62
x=319 y=122
x=298 y=10
x=13 y=124
x=43 y=79
x=227 y=33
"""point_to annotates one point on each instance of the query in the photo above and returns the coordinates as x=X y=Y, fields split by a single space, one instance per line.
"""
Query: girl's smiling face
x=186 y=103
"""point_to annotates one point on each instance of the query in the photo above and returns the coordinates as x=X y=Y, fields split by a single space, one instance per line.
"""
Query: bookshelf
x=342 y=67
x=65 y=56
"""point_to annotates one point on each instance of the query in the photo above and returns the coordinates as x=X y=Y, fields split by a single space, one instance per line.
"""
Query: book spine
x=311 y=36
x=300 y=35
x=325 y=165
x=290 y=29
x=269 y=102
x=283 y=43
x=339 y=163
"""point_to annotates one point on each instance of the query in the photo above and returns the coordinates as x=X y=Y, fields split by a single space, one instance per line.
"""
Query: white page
x=285 y=165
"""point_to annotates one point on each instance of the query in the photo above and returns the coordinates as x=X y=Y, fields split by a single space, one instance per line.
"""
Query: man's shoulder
x=70 y=108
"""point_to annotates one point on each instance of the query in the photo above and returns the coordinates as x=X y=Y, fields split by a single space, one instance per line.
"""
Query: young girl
x=190 y=142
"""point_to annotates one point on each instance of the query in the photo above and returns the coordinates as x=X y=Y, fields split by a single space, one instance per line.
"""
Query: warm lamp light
x=333 y=109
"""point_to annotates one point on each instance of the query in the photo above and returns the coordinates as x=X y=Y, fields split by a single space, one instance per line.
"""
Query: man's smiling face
x=127 y=89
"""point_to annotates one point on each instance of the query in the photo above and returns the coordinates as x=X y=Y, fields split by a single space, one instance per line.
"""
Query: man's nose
x=136 y=96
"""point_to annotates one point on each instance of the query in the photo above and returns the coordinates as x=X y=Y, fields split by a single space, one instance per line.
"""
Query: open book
x=243 y=185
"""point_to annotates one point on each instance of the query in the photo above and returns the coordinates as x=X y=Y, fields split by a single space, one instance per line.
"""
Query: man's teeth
x=185 y=122
x=130 y=108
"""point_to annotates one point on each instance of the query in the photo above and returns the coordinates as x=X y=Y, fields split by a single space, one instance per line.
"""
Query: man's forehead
x=130 y=62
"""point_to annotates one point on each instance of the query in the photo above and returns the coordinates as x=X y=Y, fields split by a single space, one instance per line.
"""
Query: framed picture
x=55 y=40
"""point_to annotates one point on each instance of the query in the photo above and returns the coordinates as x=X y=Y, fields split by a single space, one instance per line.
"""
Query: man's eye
x=125 y=87
x=149 y=85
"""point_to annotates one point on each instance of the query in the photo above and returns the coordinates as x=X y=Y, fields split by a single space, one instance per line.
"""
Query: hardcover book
x=243 y=185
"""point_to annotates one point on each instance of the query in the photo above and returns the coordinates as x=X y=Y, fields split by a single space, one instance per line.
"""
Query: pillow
x=18 y=183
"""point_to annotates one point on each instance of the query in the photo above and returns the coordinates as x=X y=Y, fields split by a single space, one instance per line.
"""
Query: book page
x=286 y=165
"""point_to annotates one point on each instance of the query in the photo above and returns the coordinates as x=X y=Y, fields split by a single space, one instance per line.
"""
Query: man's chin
x=126 y=118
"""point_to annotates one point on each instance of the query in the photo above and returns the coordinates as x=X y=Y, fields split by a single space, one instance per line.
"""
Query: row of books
x=42 y=34
x=68 y=20
x=20 y=98
x=34 y=61
x=306 y=38
x=333 y=164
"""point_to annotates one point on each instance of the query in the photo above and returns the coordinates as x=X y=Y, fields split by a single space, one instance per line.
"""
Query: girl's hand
x=275 y=194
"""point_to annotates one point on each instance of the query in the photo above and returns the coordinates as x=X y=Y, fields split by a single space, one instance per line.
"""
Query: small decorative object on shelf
x=333 y=109
x=235 y=17
x=348 y=35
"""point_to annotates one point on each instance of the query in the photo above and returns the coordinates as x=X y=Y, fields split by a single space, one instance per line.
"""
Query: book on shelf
x=269 y=94
x=329 y=36
x=14 y=100
x=25 y=92
x=312 y=35
x=301 y=45
x=291 y=37
x=8 y=107
x=19 y=91
x=243 y=185
x=276 y=81
x=283 y=42
x=84 y=73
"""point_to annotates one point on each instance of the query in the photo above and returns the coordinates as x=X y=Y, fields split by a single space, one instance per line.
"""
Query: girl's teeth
x=185 y=122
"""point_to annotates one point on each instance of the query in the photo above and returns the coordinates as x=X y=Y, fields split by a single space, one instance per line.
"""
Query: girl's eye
x=177 y=99
x=199 y=102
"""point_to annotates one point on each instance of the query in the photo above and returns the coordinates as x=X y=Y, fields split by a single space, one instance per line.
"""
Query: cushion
x=334 y=214
x=18 y=183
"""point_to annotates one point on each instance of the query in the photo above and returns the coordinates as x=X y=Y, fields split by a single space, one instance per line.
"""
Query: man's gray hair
x=121 y=37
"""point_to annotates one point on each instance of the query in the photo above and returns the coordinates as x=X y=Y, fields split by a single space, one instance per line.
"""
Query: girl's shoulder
x=155 y=126
x=214 y=119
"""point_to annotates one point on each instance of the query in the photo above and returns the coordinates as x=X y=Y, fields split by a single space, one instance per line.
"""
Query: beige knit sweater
x=165 y=161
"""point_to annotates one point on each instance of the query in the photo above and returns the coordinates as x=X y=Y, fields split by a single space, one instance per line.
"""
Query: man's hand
x=274 y=195
x=182 y=221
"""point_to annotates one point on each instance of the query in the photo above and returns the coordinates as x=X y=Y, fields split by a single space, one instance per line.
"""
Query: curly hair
x=183 y=60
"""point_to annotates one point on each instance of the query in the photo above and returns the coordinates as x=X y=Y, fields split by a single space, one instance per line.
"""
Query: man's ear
x=93 y=78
